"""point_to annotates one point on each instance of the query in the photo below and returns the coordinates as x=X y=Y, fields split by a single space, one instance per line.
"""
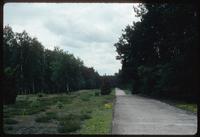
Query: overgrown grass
x=188 y=107
x=101 y=118
x=79 y=112
x=100 y=123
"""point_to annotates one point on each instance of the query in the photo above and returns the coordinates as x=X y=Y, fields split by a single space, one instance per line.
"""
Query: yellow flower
x=108 y=105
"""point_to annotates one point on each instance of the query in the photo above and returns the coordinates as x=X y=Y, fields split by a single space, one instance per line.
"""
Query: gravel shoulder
x=134 y=114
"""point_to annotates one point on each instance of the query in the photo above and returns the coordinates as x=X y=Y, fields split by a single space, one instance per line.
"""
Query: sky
x=87 y=30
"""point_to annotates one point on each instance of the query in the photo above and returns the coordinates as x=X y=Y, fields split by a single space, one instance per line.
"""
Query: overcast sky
x=87 y=30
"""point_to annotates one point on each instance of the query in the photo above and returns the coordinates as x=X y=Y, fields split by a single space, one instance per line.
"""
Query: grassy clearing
x=84 y=112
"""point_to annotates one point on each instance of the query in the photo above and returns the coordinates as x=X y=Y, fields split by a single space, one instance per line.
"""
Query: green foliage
x=160 y=57
x=44 y=118
x=51 y=115
x=59 y=105
x=85 y=114
x=96 y=93
x=85 y=97
x=74 y=117
x=41 y=70
x=35 y=104
x=105 y=87
x=100 y=123
x=69 y=123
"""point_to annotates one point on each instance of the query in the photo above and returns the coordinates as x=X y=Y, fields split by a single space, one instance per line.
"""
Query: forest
x=159 y=57
x=159 y=54
x=35 y=69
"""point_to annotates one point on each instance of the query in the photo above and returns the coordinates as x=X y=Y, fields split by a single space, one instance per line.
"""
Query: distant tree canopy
x=42 y=70
x=159 y=54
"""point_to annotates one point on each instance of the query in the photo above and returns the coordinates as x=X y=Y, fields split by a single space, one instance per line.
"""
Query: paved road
x=138 y=115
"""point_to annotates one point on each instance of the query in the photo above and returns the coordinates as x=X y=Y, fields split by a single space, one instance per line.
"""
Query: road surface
x=138 y=115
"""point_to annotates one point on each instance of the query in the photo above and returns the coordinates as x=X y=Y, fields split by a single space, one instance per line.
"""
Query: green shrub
x=105 y=87
x=59 y=104
x=85 y=97
x=85 y=114
x=51 y=115
x=96 y=93
x=10 y=121
x=35 y=103
x=69 y=123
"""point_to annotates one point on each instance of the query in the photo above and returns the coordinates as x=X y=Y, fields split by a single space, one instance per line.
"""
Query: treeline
x=35 y=69
x=159 y=54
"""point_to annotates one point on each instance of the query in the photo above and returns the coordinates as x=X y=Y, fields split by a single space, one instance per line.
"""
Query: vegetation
x=100 y=123
x=77 y=115
x=29 y=68
x=159 y=54
x=105 y=86
x=187 y=106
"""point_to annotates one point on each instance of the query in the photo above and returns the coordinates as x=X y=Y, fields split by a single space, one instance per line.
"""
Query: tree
x=42 y=70
x=165 y=40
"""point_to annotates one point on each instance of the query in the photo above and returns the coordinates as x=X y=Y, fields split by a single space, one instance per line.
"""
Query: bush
x=59 y=105
x=85 y=114
x=51 y=115
x=105 y=87
x=96 y=93
x=35 y=103
x=85 y=97
x=69 y=123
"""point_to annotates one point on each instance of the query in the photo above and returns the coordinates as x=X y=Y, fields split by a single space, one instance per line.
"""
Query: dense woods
x=31 y=68
x=159 y=54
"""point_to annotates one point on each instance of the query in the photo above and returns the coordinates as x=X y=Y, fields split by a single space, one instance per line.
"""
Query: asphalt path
x=134 y=114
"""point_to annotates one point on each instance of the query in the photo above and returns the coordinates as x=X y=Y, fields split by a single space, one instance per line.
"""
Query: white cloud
x=88 y=30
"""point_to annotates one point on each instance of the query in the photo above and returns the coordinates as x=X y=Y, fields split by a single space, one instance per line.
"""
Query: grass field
x=82 y=112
